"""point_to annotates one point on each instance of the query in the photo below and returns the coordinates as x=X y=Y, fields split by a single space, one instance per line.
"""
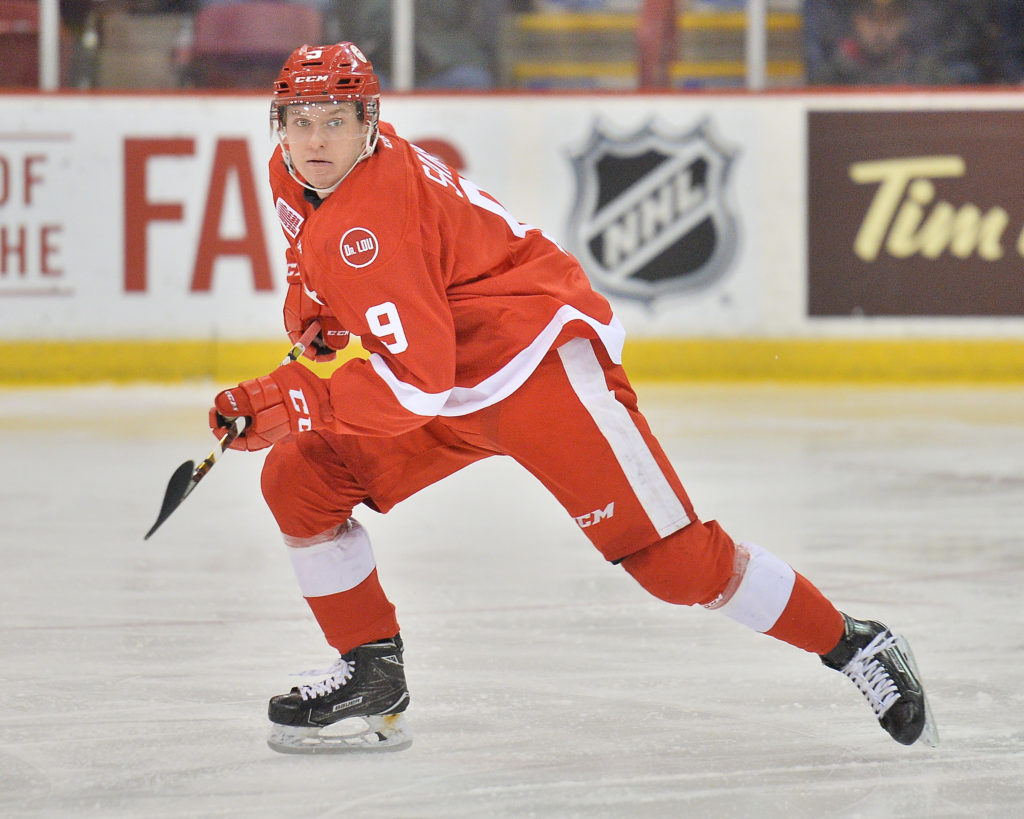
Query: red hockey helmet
x=327 y=73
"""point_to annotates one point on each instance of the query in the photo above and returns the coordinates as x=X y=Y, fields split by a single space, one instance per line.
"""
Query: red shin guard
x=689 y=567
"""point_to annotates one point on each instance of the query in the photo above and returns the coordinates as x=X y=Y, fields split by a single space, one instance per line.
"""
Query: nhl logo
x=651 y=217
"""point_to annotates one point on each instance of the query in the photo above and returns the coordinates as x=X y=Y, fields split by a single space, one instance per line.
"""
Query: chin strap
x=368 y=148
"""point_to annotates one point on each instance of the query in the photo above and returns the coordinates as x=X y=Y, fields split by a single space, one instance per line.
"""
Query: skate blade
x=354 y=735
x=930 y=732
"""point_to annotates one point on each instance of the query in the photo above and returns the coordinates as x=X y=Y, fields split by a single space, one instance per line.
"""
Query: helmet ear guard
x=327 y=73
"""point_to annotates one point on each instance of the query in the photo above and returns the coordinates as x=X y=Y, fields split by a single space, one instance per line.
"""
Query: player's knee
x=294 y=491
x=277 y=480
x=689 y=567
x=301 y=497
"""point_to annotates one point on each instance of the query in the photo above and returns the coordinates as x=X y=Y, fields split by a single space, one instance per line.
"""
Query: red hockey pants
x=574 y=425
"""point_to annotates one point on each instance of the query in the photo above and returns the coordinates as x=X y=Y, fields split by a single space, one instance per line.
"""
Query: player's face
x=325 y=140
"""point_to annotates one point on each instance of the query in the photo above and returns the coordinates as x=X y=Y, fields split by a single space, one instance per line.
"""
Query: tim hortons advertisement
x=916 y=213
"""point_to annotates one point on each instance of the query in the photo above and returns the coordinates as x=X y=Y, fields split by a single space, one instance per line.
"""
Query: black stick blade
x=177 y=490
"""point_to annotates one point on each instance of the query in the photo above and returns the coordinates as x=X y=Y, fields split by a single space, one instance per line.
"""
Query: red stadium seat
x=243 y=45
x=19 y=43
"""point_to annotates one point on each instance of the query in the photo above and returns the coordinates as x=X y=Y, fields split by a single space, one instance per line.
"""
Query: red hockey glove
x=300 y=310
x=290 y=399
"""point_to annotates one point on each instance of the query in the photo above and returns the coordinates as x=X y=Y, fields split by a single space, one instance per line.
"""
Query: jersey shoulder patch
x=291 y=219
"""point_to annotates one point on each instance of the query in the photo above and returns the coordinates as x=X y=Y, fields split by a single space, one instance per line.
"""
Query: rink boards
x=785 y=235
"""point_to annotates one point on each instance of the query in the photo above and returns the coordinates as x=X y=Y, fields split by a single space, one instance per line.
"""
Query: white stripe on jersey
x=656 y=496
x=500 y=385
x=417 y=401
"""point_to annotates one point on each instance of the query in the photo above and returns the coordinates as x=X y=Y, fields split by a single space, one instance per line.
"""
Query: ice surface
x=544 y=682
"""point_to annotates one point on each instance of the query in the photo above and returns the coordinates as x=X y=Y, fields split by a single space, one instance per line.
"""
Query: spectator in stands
x=79 y=42
x=456 y=41
x=887 y=42
x=1008 y=20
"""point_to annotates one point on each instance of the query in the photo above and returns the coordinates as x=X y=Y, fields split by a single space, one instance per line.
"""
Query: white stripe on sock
x=764 y=591
x=335 y=565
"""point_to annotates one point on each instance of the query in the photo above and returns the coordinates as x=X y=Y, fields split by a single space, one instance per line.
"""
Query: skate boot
x=356 y=705
x=882 y=666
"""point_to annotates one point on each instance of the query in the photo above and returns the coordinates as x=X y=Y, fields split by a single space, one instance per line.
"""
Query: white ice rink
x=544 y=682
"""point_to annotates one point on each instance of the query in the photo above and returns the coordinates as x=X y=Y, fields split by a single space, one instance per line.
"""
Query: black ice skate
x=356 y=705
x=882 y=666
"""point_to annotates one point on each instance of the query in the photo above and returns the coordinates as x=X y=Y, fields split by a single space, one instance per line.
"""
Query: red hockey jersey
x=455 y=300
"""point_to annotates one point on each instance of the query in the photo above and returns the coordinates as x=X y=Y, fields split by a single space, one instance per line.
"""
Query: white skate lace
x=331 y=680
x=870 y=676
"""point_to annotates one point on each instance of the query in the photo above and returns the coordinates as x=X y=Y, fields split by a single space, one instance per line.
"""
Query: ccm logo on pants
x=596 y=516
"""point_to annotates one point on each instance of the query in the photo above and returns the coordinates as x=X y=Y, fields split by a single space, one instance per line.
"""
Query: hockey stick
x=188 y=475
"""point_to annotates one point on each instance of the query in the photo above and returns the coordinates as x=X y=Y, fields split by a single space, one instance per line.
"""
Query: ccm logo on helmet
x=312 y=78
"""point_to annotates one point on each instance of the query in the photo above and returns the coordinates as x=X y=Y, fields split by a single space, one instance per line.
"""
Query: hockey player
x=484 y=338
